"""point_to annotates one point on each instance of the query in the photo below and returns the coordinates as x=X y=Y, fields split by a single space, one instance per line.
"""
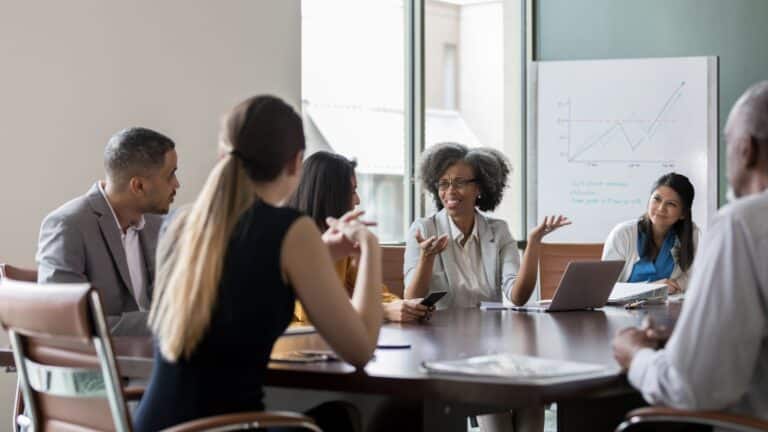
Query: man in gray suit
x=109 y=235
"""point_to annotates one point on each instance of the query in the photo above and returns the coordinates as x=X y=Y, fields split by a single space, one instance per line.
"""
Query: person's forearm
x=525 y=281
x=367 y=294
x=419 y=285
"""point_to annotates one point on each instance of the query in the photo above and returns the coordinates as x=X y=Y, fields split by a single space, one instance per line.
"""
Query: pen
x=634 y=304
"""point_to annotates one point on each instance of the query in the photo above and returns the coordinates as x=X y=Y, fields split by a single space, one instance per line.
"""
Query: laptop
x=584 y=285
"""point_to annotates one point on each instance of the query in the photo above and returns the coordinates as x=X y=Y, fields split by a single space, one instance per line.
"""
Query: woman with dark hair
x=661 y=244
x=230 y=268
x=460 y=250
x=328 y=188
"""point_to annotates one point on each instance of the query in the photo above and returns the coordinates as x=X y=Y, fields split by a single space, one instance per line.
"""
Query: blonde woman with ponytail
x=231 y=266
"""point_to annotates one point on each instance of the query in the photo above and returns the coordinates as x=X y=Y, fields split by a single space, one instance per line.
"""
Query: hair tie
x=236 y=153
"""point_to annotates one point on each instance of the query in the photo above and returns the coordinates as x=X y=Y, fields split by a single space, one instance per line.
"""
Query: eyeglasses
x=457 y=183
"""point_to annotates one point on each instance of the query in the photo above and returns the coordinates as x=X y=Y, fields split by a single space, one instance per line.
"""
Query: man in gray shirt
x=109 y=235
x=717 y=355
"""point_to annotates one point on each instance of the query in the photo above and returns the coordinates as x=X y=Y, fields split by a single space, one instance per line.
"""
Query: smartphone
x=433 y=298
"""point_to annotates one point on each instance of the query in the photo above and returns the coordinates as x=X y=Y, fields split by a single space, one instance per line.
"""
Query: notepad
x=486 y=305
x=514 y=367
x=625 y=292
x=299 y=329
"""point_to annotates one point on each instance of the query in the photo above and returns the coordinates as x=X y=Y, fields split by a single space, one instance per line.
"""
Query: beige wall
x=74 y=72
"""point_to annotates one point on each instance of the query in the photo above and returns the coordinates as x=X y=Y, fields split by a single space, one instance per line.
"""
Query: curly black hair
x=491 y=169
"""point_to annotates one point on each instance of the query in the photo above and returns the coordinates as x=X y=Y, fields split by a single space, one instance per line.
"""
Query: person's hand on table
x=407 y=310
x=339 y=244
x=672 y=284
x=628 y=341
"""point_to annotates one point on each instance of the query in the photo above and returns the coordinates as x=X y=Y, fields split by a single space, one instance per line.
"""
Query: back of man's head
x=134 y=151
x=749 y=116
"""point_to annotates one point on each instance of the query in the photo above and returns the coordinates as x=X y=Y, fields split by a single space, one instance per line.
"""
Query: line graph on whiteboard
x=636 y=136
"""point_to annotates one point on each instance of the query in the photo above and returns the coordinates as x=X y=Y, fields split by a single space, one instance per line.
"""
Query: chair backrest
x=63 y=353
x=8 y=271
x=554 y=258
x=392 y=268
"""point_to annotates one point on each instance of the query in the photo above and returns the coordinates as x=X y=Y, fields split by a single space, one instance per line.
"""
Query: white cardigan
x=621 y=244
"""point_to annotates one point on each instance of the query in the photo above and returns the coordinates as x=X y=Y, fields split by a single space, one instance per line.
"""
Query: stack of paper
x=513 y=367
x=625 y=292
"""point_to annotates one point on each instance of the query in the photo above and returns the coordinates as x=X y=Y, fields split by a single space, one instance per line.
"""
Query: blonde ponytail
x=191 y=256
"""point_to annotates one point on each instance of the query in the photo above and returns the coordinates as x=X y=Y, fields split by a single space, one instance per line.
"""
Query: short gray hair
x=750 y=113
x=491 y=169
x=135 y=151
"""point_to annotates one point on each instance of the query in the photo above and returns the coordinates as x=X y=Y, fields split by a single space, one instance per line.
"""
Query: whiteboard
x=606 y=130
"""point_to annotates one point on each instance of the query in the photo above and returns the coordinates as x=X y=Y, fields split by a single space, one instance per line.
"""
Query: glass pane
x=353 y=90
x=464 y=58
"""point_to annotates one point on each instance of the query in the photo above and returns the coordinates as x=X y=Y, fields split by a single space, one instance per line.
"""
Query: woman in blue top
x=660 y=246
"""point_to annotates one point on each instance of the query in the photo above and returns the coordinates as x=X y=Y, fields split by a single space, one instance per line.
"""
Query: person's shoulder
x=75 y=211
x=425 y=222
x=626 y=229
x=626 y=226
x=748 y=212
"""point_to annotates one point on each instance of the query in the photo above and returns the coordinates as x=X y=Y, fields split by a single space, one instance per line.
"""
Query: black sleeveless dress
x=225 y=374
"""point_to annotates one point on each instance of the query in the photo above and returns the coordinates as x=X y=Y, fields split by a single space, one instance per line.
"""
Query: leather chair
x=650 y=418
x=392 y=268
x=554 y=258
x=67 y=369
x=8 y=271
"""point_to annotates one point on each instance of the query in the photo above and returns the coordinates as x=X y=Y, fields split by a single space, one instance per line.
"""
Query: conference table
x=584 y=402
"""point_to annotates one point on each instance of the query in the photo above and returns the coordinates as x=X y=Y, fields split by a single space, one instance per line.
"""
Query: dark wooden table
x=593 y=403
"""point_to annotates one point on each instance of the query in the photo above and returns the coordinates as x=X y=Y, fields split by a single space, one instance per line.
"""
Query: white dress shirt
x=717 y=357
x=134 y=256
x=468 y=271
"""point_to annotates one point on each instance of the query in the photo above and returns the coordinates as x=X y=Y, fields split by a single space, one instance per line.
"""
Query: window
x=354 y=91
x=353 y=98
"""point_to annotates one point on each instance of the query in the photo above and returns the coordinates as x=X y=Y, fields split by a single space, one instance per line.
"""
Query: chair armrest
x=244 y=420
x=133 y=393
x=711 y=418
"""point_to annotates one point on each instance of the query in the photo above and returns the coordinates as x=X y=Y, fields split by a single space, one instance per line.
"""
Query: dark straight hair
x=325 y=188
x=682 y=228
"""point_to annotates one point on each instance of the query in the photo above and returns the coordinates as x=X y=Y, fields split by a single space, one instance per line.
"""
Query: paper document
x=295 y=329
x=486 y=305
x=624 y=292
x=515 y=367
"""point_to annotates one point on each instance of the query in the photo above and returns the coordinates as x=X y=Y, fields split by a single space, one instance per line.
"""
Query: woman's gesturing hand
x=548 y=225
x=433 y=245
x=340 y=235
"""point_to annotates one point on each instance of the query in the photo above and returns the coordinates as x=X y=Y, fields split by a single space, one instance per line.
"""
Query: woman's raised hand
x=433 y=245
x=548 y=225
x=342 y=234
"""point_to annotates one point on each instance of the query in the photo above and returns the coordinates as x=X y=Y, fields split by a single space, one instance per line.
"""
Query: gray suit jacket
x=498 y=250
x=80 y=242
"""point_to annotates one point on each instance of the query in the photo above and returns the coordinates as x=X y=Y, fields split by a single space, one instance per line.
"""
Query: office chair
x=8 y=271
x=554 y=258
x=650 y=417
x=67 y=369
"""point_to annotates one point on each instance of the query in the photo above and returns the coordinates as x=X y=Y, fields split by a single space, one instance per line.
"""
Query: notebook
x=626 y=292
x=514 y=367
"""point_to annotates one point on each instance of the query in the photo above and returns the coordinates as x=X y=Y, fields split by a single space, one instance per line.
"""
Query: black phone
x=433 y=298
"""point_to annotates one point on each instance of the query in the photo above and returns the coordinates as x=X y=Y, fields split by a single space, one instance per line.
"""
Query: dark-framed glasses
x=457 y=183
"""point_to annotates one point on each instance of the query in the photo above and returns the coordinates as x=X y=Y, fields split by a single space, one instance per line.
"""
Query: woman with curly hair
x=459 y=249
